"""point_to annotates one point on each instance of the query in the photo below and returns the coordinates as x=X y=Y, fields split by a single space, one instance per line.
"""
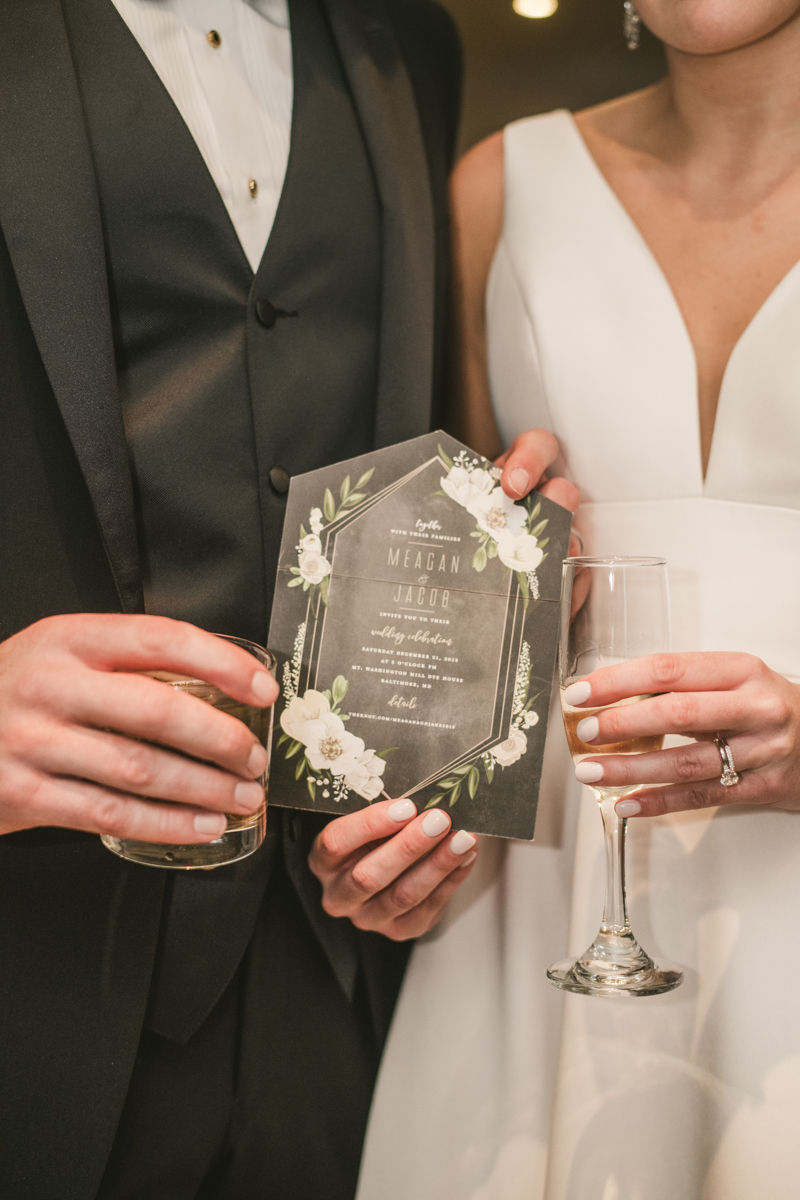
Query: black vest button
x=265 y=313
x=279 y=478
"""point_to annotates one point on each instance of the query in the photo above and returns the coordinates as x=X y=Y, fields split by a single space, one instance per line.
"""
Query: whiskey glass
x=243 y=834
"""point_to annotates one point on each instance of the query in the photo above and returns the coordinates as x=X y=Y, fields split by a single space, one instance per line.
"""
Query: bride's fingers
x=754 y=787
x=562 y=492
x=682 y=764
x=414 y=887
x=677 y=712
x=526 y=461
x=694 y=672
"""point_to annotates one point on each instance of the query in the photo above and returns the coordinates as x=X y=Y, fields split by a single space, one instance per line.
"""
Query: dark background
x=516 y=66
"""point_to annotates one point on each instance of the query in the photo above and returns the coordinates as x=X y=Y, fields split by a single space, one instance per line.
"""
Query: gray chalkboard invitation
x=415 y=624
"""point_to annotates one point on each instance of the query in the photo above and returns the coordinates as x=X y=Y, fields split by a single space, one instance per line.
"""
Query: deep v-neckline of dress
x=761 y=314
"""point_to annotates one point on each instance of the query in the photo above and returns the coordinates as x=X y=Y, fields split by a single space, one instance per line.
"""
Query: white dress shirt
x=227 y=64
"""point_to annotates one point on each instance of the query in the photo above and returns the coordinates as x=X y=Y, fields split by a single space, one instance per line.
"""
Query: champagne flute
x=612 y=610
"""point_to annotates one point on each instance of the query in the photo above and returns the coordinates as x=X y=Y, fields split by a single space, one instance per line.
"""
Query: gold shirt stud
x=253 y=187
x=214 y=39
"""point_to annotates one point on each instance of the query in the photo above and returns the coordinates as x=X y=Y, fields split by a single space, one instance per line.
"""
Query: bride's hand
x=389 y=869
x=735 y=695
x=524 y=465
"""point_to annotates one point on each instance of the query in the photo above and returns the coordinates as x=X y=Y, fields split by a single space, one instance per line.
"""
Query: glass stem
x=615 y=911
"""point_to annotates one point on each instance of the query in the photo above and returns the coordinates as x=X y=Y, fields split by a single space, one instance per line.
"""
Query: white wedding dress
x=495 y=1086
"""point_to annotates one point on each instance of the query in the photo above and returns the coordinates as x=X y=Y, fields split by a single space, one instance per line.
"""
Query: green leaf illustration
x=383 y=753
x=489 y=769
x=324 y=588
x=438 y=492
x=456 y=792
x=340 y=686
x=312 y=791
x=283 y=738
x=434 y=801
x=491 y=549
x=446 y=459
x=295 y=582
x=303 y=532
x=328 y=695
x=444 y=784
x=479 y=559
x=328 y=505
x=365 y=478
x=540 y=528
x=353 y=499
x=543 y=542
x=536 y=510
x=344 y=490
x=300 y=768
x=295 y=746
x=473 y=779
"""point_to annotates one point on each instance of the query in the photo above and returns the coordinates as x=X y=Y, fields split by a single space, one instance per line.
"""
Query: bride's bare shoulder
x=477 y=186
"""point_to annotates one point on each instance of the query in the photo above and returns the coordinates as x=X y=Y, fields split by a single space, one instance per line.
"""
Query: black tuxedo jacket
x=78 y=928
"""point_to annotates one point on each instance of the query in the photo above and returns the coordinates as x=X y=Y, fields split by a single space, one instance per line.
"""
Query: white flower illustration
x=310 y=542
x=300 y=713
x=530 y=718
x=330 y=747
x=313 y=566
x=515 y=745
x=315 y=520
x=365 y=777
x=497 y=514
x=465 y=486
x=520 y=553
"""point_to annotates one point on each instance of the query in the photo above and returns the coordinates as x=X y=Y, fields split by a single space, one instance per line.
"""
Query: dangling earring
x=631 y=25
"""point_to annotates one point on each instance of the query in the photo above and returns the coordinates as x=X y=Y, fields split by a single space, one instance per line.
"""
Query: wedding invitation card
x=415 y=624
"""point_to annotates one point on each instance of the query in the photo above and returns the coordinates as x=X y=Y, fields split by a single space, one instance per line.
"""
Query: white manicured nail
x=627 y=808
x=248 y=796
x=469 y=860
x=461 y=842
x=435 y=823
x=578 y=693
x=588 y=729
x=520 y=481
x=402 y=810
x=588 y=772
x=210 y=824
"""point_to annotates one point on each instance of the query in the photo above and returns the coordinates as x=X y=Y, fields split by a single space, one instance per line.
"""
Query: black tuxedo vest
x=218 y=403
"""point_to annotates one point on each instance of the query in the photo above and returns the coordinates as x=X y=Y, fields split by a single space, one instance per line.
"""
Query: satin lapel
x=51 y=221
x=388 y=113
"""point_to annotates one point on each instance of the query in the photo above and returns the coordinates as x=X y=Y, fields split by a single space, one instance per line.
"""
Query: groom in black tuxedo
x=207 y=1034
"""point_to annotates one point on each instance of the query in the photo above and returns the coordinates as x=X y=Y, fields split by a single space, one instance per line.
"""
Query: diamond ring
x=729 y=775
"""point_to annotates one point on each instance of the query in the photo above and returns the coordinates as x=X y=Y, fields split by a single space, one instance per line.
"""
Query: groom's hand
x=78 y=720
x=390 y=870
x=525 y=465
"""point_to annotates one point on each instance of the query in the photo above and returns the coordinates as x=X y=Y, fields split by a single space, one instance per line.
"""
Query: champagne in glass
x=612 y=610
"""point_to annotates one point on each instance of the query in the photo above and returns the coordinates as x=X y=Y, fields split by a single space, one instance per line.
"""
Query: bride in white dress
x=641 y=272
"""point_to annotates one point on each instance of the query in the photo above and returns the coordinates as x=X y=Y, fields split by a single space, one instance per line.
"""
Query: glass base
x=233 y=845
x=603 y=972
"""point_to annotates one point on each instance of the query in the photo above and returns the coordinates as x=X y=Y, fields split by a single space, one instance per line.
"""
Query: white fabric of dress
x=495 y=1086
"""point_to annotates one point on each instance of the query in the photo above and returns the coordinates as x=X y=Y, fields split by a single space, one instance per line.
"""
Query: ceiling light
x=535 y=8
